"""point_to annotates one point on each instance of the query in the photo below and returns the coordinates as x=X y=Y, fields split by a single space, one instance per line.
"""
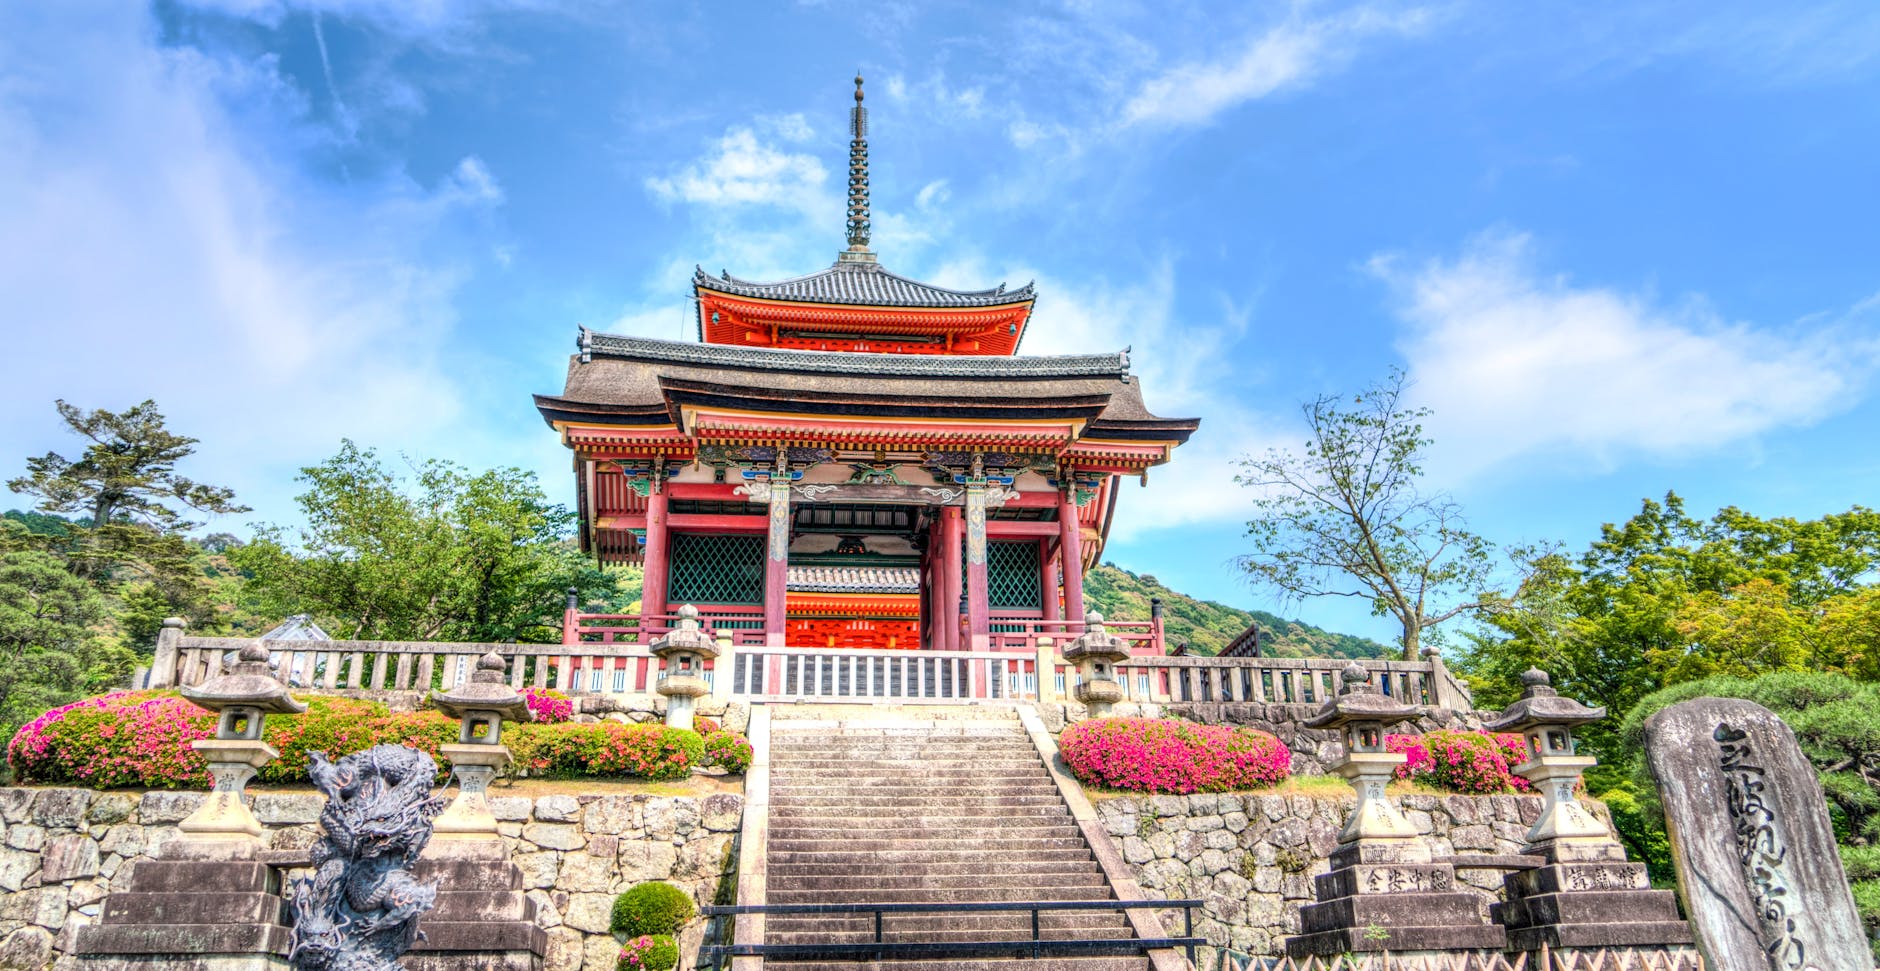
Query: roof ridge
x=910 y=365
x=860 y=283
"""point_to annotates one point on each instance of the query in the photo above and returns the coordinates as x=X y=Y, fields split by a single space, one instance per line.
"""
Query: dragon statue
x=359 y=911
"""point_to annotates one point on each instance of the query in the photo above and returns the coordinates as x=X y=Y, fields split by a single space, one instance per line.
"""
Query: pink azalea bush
x=648 y=952
x=550 y=707
x=141 y=739
x=1164 y=755
x=1470 y=762
x=129 y=738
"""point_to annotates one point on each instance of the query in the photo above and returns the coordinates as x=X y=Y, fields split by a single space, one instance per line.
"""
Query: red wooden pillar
x=777 y=557
x=653 y=583
x=1071 y=554
x=951 y=539
x=1047 y=582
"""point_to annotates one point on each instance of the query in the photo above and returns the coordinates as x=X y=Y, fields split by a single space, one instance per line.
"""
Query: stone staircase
x=925 y=807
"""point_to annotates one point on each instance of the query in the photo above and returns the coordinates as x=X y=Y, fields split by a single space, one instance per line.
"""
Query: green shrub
x=648 y=952
x=605 y=749
x=1861 y=862
x=653 y=907
x=728 y=750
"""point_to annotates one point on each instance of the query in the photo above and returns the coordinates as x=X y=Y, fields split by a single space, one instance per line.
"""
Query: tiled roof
x=854 y=579
x=863 y=284
x=820 y=362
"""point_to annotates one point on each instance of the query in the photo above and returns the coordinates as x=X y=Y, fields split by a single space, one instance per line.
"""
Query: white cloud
x=743 y=171
x=1515 y=363
x=158 y=246
x=1284 y=56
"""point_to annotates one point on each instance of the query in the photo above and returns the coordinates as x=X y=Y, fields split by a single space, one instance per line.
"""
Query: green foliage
x=1349 y=518
x=651 y=952
x=49 y=653
x=728 y=750
x=1861 y=862
x=1832 y=717
x=1207 y=627
x=653 y=907
x=448 y=555
x=572 y=750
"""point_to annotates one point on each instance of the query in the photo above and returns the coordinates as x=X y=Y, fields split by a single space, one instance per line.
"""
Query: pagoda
x=853 y=458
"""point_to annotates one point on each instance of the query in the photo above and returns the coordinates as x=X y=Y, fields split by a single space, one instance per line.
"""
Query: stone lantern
x=481 y=706
x=241 y=697
x=1584 y=894
x=1097 y=652
x=1363 y=714
x=684 y=651
x=1384 y=877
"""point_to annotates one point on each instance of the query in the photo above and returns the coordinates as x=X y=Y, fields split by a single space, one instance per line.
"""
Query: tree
x=446 y=555
x=1348 y=518
x=49 y=653
x=130 y=505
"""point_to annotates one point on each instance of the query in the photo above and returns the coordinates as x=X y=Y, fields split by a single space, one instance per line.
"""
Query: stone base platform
x=169 y=919
x=1588 y=897
x=482 y=921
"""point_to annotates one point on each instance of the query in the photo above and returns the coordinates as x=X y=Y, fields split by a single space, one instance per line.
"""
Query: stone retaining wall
x=1312 y=748
x=1252 y=857
x=61 y=848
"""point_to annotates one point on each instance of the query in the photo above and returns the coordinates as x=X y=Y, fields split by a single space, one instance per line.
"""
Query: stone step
x=1011 y=748
x=851 y=880
x=1021 y=789
x=1096 y=922
x=1016 y=932
x=1071 y=839
x=930 y=895
x=909 y=776
x=1016 y=834
x=884 y=811
x=939 y=867
x=845 y=768
x=1077 y=963
x=925 y=857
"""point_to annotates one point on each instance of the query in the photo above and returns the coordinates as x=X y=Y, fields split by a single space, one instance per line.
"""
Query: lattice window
x=716 y=569
x=1012 y=575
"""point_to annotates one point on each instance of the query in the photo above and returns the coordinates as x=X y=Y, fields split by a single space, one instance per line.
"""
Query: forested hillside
x=1208 y=626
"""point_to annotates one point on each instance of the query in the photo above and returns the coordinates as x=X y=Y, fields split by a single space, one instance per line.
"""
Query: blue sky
x=1619 y=248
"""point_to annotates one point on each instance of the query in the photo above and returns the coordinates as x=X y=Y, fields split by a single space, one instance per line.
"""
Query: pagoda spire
x=858 y=222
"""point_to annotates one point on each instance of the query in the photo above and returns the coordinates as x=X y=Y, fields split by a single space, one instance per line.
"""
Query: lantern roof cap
x=487 y=690
x=1096 y=643
x=1360 y=701
x=249 y=683
x=1540 y=705
x=685 y=637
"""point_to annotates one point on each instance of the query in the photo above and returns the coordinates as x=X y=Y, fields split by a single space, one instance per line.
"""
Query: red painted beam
x=1020 y=527
x=698 y=522
x=705 y=490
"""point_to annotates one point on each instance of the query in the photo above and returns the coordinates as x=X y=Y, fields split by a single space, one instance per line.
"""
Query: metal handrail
x=1037 y=945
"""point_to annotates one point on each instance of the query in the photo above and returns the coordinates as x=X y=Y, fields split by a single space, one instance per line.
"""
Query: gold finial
x=858 y=88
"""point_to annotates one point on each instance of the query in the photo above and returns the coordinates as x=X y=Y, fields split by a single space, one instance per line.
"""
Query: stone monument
x=1757 y=864
x=481 y=919
x=208 y=900
x=1585 y=894
x=1385 y=892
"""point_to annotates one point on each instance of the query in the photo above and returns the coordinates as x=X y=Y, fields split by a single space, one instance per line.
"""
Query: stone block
x=514 y=809
x=26 y=949
x=16 y=804
x=184 y=876
x=68 y=858
x=553 y=836
x=278 y=808
x=26 y=836
x=538 y=869
x=557 y=809
x=143 y=939
x=61 y=808
x=614 y=815
x=193 y=907
x=589 y=912
x=167 y=807
x=722 y=812
x=471 y=875
x=581 y=873
x=641 y=860
x=111 y=807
